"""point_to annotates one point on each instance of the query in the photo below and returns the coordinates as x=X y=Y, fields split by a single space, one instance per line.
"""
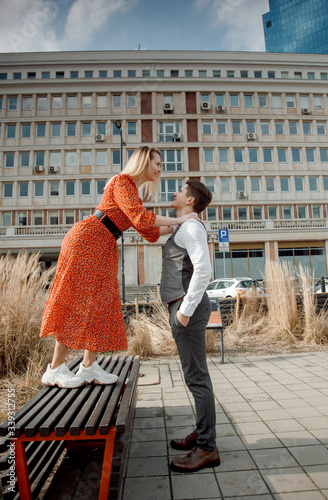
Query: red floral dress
x=84 y=308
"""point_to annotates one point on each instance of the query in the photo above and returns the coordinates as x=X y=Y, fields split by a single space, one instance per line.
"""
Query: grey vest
x=177 y=270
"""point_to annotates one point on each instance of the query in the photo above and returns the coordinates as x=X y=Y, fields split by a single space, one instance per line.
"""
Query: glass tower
x=296 y=26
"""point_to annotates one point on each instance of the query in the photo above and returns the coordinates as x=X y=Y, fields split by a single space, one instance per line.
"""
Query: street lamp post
x=118 y=124
x=137 y=240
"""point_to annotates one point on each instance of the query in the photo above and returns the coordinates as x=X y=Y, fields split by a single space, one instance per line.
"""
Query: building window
x=236 y=130
x=321 y=128
x=301 y=212
x=71 y=102
x=234 y=100
x=45 y=75
x=85 y=188
x=132 y=128
x=279 y=126
x=202 y=73
x=74 y=74
x=41 y=130
x=101 y=158
x=242 y=213
x=253 y=157
x=257 y=213
x=304 y=101
x=8 y=189
x=284 y=184
x=146 y=73
x=6 y=219
x=27 y=103
x=271 y=74
x=70 y=160
x=53 y=218
x=60 y=74
x=325 y=183
x=38 y=188
x=311 y=75
x=240 y=184
x=282 y=157
x=226 y=213
x=54 y=188
x=210 y=184
x=56 y=102
x=117 y=73
x=70 y=188
x=205 y=98
x=22 y=218
x=88 y=74
x=223 y=155
x=257 y=74
x=101 y=101
x=102 y=73
x=216 y=73
x=255 y=184
x=270 y=184
x=208 y=156
x=265 y=128
x=167 y=131
x=324 y=155
x=263 y=101
x=55 y=158
x=267 y=155
x=293 y=129
x=11 y=131
x=116 y=157
x=276 y=101
x=3 y=76
x=9 y=160
x=290 y=101
x=85 y=158
x=211 y=214
x=296 y=155
x=23 y=189
x=160 y=73
x=313 y=183
x=12 y=103
x=243 y=74
x=169 y=187
x=222 y=130
x=250 y=127
x=298 y=75
x=86 y=129
x=207 y=128
x=272 y=212
x=317 y=100
x=310 y=155
x=316 y=211
x=307 y=128
x=42 y=102
x=230 y=73
x=25 y=159
x=116 y=100
x=71 y=129
x=225 y=185
x=55 y=130
x=287 y=212
x=86 y=101
x=101 y=128
x=131 y=101
x=238 y=154
x=324 y=76
x=248 y=100
x=299 y=184
x=219 y=99
x=171 y=160
x=101 y=186
x=174 y=73
x=39 y=158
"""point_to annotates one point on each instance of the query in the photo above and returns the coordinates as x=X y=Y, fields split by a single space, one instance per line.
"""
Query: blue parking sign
x=223 y=239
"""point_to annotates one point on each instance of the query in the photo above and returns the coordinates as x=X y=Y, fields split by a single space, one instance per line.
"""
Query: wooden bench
x=94 y=415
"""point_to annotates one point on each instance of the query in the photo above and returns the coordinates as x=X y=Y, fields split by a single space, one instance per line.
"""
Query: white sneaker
x=95 y=373
x=62 y=377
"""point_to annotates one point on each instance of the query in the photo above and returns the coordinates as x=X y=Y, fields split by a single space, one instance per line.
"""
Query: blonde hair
x=136 y=166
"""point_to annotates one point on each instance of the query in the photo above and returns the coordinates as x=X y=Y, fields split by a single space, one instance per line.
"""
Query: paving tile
x=297 y=438
x=284 y=480
x=236 y=460
x=147 y=488
x=284 y=425
x=148 y=449
x=241 y=483
x=318 y=473
x=310 y=455
x=244 y=416
x=139 y=467
x=152 y=434
x=261 y=442
x=314 y=423
x=145 y=423
x=300 y=495
x=190 y=487
x=180 y=420
x=245 y=428
x=273 y=414
x=274 y=458
x=230 y=443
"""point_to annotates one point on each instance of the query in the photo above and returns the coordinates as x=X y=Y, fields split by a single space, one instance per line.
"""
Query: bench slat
x=92 y=423
x=127 y=401
x=65 y=421
x=111 y=405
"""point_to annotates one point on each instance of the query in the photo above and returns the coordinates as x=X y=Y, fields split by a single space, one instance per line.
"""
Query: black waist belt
x=108 y=223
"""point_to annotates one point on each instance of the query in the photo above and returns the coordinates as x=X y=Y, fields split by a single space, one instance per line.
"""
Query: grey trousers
x=191 y=344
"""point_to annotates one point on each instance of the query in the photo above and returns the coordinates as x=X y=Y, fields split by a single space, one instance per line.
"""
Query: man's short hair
x=200 y=192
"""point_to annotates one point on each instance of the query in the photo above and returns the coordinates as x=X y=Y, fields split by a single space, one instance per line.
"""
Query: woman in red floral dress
x=84 y=309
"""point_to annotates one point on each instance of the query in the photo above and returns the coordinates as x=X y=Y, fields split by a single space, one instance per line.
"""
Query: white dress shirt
x=192 y=236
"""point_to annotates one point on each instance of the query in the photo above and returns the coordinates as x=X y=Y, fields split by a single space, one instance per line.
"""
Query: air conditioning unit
x=251 y=137
x=38 y=168
x=168 y=106
x=100 y=137
x=176 y=137
x=220 y=108
x=242 y=194
x=306 y=111
x=205 y=105
x=53 y=170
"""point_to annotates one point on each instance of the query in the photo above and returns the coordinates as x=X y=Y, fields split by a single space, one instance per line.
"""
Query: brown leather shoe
x=187 y=443
x=195 y=460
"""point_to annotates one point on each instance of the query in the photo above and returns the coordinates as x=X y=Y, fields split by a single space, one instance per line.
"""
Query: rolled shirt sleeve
x=192 y=237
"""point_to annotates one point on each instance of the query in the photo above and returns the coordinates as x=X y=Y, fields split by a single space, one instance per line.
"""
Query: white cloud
x=86 y=17
x=239 y=20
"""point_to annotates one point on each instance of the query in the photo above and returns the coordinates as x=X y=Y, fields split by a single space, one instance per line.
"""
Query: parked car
x=229 y=287
x=317 y=285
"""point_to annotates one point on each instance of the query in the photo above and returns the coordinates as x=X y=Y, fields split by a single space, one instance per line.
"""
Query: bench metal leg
x=24 y=486
x=107 y=465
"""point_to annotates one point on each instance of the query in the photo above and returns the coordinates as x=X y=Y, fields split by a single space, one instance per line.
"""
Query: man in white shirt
x=185 y=275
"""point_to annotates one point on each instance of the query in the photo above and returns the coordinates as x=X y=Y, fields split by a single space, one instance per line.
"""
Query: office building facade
x=252 y=126
x=296 y=26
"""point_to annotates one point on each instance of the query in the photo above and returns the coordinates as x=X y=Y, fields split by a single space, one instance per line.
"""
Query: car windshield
x=244 y=284
x=225 y=284
x=212 y=285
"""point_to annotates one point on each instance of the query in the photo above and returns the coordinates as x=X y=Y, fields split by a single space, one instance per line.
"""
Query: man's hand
x=184 y=320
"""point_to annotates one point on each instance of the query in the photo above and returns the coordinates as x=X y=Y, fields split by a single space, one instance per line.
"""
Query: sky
x=62 y=25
